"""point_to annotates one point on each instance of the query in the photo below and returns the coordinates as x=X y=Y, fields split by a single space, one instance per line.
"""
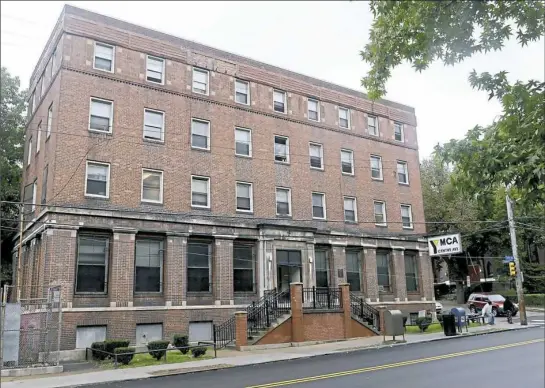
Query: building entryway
x=289 y=268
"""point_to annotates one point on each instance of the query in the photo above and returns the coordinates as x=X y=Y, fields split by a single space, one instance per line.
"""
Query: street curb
x=369 y=348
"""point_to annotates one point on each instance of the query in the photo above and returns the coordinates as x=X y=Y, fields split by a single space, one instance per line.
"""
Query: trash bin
x=449 y=325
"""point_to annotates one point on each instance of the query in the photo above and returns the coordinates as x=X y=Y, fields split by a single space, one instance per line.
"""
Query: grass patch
x=433 y=328
x=145 y=359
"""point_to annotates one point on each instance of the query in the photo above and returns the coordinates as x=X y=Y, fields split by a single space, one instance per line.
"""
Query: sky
x=319 y=39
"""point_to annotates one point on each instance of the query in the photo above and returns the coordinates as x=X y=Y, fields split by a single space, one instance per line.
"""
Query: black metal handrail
x=225 y=333
x=364 y=312
x=322 y=298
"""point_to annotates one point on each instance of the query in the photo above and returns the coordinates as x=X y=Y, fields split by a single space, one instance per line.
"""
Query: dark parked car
x=477 y=301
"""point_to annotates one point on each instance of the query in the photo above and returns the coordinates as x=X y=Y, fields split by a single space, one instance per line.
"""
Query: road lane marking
x=393 y=365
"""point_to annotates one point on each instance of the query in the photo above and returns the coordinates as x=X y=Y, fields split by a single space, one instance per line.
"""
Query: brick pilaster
x=223 y=271
x=347 y=312
x=241 y=329
x=121 y=287
x=296 y=299
x=175 y=269
x=338 y=256
x=426 y=287
x=370 y=274
x=400 y=284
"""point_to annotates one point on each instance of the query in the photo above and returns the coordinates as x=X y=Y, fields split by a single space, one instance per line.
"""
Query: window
x=243 y=142
x=148 y=267
x=372 y=125
x=34 y=191
x=49 y=119
x=244 y=197
x=200 y=191
x=53 y=61
x=200 y=134
x=243 y=267
x=155 y=67
x=283 y=202
x=399 y=134
x=350 y=212
x=376 y=167
x=316 y=156
x=200 y=81
x=34 y=101
x=152 y=186
x=42 y=85
x=281 y=149
x=154 y=124
x=51 y=64
x=344 y=118
x=101 y=115
x=199 y=274
x=402 y=173
x=29 y=153
x=353 y=269
x=406 y=217
x=86 y=335
x=380 y=213
x=97 y=180
x=148 y=332
x=28 y=199
x=38 y=137
x=242 y=92
x=383 y=271
x=279 y=101
x=322 y=267
x=313 y=110
x=347 y=162
x=104 y=57
x=318 y=206
x=411 y=272
x=44 y=185
x=92 y=263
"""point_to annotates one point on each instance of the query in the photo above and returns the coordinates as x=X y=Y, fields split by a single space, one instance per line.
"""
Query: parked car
x=438 y=307
x=476 y=302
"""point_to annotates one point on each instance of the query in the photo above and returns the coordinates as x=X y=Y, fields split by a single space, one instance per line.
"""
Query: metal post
x=267 y=313
x=361 y=307
x=520 y=291
x=313 y=296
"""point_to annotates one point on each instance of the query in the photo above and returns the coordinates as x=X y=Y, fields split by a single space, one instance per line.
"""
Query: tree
x=12 y=107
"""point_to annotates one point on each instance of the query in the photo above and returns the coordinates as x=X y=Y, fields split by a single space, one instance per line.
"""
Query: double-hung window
x=376 y=167
x=411 y=272
x=242 y=92
x=283 y=201
x=350 y=210
x=44 y=185
x=406 y=217
x=38 y=137
x=200 y=191
x=313 y=110
x=97 y=180
x=279 y=101
x=402 y=172
x=243 y=142
x=100 y=116
x=353 y=269
x=281 y=149
x=200 y=81
x=380 y=213
x=104 y=57
x=200 y=134
x=148 y=274
x=318 y=206
x=316 y=152
x=29 y=200
x=322 y=267
x=42 y=85
x=155 y=69
x=344 y=118
x=347 y=162
x=29 y=152
x=152 y=186
x=92 y=263
x=199 y=266
x=244 y=197
x=154 y=124
x=383 y=271
x=372 y=125
x=49 y=120
x=399 y=132
x=243 y=266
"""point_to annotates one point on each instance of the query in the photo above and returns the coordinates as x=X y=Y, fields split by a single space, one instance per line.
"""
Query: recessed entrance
x=289 y=268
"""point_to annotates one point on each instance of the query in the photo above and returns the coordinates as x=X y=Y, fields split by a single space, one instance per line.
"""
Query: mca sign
x=450 y=244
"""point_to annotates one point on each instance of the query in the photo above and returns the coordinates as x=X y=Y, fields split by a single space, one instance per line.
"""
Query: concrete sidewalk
x=230 y=358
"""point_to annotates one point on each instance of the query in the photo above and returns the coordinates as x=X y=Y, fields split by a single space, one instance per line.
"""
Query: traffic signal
x=512 y=269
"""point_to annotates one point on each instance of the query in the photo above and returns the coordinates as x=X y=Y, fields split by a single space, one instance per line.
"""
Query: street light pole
x=518 y=276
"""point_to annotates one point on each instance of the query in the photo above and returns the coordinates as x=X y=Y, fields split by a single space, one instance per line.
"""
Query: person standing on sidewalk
x=487 y=312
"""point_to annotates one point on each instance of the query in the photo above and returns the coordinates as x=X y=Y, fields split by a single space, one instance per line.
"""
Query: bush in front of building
x=124 y=355
x=157 y=349
x=111 y=345
x=423 y=323
x=199 y=351
x=97 y=351
x=181 y=341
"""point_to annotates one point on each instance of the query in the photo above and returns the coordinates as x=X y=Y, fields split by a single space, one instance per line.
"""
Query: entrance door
x=289 y=268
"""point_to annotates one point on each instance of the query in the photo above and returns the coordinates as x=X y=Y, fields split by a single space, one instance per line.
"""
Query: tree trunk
x=460 y=298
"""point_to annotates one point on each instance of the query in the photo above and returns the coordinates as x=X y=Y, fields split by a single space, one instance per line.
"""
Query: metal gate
x=30 y=328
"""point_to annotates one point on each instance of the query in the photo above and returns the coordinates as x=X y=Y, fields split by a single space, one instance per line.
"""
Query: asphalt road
x=507 y=359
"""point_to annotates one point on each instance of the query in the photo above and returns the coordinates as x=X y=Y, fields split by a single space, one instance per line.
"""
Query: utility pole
x=518 y=276
x=19 y=275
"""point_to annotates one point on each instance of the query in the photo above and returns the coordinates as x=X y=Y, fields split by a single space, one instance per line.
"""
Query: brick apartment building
x=174 y=183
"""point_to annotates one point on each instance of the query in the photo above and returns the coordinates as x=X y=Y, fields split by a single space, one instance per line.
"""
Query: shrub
x=124 y=355
x=197 y=352
x=157 y=349
x=423 y=323
x=181 y=341
x=98 y=356
x=111 y=345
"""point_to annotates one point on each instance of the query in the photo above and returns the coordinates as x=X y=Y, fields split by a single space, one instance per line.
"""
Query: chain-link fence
x=30 y=328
